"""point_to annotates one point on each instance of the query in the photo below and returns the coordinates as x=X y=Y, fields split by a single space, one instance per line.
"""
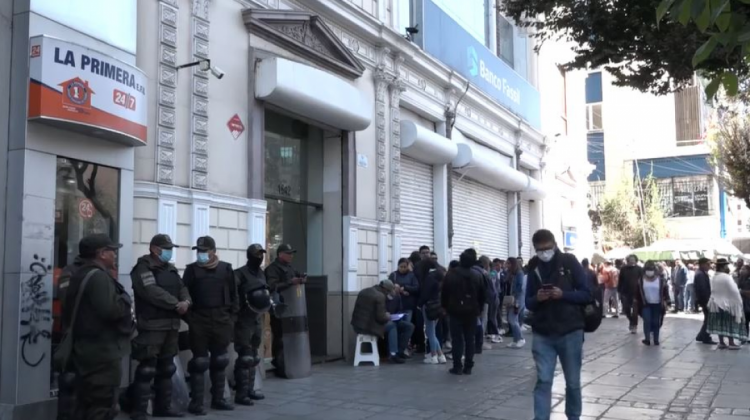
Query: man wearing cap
x=702 y=286
x=214 y=292
x=102 y=330
x=281 y=276
x=160 y=300
x=254 y=299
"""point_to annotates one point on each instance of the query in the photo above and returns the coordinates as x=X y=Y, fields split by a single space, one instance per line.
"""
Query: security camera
x=217 y=72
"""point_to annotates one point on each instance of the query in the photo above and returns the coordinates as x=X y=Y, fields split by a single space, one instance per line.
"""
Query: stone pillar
x=166 y=130
x=381 y=88
x=440 y=205
x=199 y=98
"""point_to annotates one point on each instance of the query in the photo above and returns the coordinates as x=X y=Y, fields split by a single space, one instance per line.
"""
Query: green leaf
x=723 y=21
x=744 y=35
x=704 y=19
x=717 y=8
x=661 y=11
x=705 y=50
x=731 y=83
x=685 y=12
x=745 y=1
x=713 y=87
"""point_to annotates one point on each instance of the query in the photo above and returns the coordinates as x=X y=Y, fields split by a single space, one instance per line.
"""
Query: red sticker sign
x=86 y=208
x=235 y=126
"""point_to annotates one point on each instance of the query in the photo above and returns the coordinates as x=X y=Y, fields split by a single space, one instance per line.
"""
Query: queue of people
x=220 y=305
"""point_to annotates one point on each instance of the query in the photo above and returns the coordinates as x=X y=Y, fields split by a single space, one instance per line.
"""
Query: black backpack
x=466 y=303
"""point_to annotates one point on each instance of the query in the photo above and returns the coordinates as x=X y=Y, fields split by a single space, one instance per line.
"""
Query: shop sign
x=235 y=126
x=86 y=208
x=86 y=90
x=570 y=239
x=446 y=40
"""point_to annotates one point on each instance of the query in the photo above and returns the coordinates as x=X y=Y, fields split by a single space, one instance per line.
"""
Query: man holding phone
x=280 y=276
x=556 y=293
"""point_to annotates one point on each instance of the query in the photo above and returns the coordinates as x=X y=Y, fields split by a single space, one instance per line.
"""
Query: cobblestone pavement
x=622 y=379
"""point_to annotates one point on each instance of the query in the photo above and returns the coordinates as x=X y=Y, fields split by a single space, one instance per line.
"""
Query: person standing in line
x=482 y=265
x=726 y=314
x=409 y=286
x=515 y=277
x=434 y=257
x=608 y=278
x=498 y=277
x=651 y=302
x=737 y=268
x=161 y=299
x=102 y=329
x=280 y=276
x=627 y=287
x=690 y=290
x=702 y=285
x=255 y=300
x=680 y=280
x=463 y=297
x=213 y=288
x=429 y=301
x=556 y=293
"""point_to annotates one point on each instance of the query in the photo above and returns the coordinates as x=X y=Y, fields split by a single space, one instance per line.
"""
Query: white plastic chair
x=371 y=356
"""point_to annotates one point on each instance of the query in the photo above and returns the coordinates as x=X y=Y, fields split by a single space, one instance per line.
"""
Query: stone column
x=199 y=98
x=381 y=88
x=166 y=130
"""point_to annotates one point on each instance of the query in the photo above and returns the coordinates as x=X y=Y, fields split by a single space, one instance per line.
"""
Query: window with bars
x=686 y=196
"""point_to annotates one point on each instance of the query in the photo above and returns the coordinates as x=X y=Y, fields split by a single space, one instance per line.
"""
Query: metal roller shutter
x=526 y=230
x=480 y=218
x=417 y=212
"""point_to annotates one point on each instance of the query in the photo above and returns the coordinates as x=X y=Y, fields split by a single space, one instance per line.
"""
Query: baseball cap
x=285 y=249
x=255 y=250
x=163 y=241
x=88 y=246
x=387 y=285
x=205 y=243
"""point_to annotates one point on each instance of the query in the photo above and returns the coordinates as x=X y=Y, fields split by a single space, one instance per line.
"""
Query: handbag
x=65 y=349
x=433 y=310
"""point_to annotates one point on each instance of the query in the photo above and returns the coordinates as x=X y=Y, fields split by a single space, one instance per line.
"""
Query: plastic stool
x=372 y=356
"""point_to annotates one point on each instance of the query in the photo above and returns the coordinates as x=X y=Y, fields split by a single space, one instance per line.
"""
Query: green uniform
x=247 y=333
x=101 y=337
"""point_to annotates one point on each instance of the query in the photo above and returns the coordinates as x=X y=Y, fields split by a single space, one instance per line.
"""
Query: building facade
x=323 y=124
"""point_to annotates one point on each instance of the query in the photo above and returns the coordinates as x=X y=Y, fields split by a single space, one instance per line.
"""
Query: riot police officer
x=255 y=300
x=160 y=300
x=214 y=291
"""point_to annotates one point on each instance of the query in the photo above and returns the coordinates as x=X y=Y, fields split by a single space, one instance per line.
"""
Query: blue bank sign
x=447 y=41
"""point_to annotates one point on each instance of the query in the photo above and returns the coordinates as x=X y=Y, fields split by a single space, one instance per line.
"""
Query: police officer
x=281 y=276
x=160 y=300
x=102 y=329
x=214 y=291
x=255 y=299
x=66 y=379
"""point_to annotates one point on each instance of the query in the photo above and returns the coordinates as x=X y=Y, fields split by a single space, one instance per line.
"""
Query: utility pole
x=640 y=198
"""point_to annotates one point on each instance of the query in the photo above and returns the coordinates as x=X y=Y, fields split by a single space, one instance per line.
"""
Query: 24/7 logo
x=473 y=61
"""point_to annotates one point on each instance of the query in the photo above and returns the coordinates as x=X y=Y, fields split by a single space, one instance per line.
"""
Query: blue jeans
x=398 y=334
x=651 y=314
x=690 y=297
x=546 y=350
x=515 y=326
x=431 y=333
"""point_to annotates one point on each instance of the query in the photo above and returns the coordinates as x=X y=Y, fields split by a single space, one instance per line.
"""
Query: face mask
x=650 y=273
x=255 y=261
x=203 y=257
x=166 y=255
x=546 y=256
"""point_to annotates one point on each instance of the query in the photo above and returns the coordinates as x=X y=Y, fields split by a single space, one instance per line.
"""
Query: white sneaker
x=517 y=345
x=486 y=346
x=525 y=327
x=447 y=345
x=432 y=360
x=497 y=339
x=442 y=360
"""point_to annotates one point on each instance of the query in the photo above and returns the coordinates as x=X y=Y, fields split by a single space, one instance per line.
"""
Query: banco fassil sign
x=445 y=39
x=79 y=88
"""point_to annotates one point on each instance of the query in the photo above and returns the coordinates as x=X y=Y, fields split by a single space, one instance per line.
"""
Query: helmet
x=259 y=300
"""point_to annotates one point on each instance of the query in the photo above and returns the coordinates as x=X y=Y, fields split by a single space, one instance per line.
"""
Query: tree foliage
x=625 y=38
x=621 y=218
x=730 y=151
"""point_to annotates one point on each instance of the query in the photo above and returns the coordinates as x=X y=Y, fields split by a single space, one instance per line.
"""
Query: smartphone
x=547 y=287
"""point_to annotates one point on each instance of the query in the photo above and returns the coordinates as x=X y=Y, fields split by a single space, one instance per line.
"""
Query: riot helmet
x=259 y=300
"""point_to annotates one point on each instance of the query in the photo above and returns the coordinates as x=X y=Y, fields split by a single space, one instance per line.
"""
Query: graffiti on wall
x=35 y=314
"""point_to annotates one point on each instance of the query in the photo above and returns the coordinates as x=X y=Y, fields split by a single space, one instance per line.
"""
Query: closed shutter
x=526 y=229
x=480 y=218
x=416 y=205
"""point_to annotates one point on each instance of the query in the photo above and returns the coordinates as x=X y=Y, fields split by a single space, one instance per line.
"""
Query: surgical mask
x=166 y=255
x=203 y=257
x=254 y=261
x=546 y=256
x=650 y=273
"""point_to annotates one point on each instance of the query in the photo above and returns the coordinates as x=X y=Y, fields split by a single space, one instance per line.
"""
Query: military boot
x=242 y=382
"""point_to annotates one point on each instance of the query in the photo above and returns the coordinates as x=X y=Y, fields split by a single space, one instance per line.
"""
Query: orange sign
x=86 y=208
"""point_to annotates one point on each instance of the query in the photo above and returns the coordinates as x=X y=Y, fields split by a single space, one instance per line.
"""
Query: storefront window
x=87 y=201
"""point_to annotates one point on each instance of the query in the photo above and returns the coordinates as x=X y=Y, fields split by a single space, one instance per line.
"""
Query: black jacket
x=279 y=276
x=369 y=315
x=627 y=284
x=702 y=286
x=453 y=289
x=431 y=287
x=410 y=284
x=158 y=289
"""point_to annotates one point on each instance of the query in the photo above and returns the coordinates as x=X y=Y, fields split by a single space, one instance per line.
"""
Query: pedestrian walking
x=255 y=300
x=98 y=312
x=702 y=285
x=212 y=286
x=608 y=278
x=161 y=299
x=463 y=297
x=627 y=287
x=726 y=316
x=556 y=293
x=651 y=302
x=680 y=275
x=407 y=281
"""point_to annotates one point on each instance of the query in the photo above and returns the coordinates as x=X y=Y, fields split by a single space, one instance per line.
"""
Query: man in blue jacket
x=556 y=293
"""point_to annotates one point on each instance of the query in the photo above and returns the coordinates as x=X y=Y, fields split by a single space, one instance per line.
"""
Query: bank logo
x=473 y=62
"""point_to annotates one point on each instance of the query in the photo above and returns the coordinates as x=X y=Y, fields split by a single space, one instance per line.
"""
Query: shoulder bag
x=65 y=349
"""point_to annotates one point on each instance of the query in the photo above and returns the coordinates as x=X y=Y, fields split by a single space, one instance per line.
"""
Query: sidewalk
x=622 y=380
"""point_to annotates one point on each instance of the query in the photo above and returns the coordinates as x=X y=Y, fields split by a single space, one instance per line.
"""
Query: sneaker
x=496 y=339
x=646 y=342
x=432 y=360
x=721 y=346
x=518 y=344
x=525 y=327
x=396 y=360
x=467 y=370
x=632 y=330
x=447 y=345
x=734 y=347
x=449 y=356
x=486 y=346
x=404 y=356
x=442 y=359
